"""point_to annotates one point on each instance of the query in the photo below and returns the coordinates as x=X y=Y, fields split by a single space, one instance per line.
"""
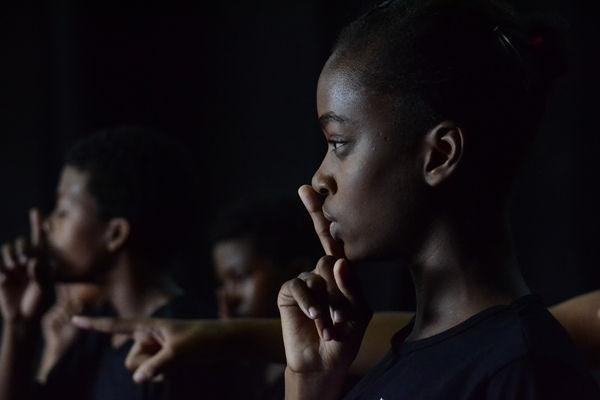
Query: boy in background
x=124 y=211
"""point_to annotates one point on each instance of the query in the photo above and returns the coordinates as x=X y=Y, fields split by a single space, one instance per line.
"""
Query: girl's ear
x=117 y=234
x=444 y=146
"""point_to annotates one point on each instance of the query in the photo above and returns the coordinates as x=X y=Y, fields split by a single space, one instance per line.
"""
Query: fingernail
x=313 y=312
x=338 y=317
x=326 y=335
x=139 y=376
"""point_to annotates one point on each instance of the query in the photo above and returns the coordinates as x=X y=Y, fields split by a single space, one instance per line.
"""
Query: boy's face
x=75 y=233
x=372 y=187
x=248 y=282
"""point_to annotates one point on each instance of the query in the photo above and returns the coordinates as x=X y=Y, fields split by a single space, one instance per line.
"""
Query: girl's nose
x=323 y=182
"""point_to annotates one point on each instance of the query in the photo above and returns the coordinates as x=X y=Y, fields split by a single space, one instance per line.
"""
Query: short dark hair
x=475 y=62
x=277 y=228
x=145 y=177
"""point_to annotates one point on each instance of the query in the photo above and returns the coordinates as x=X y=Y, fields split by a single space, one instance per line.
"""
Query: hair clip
x=512 y=51
x=383 y=4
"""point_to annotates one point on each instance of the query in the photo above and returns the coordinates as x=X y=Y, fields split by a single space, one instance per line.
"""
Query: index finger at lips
x=313 y=204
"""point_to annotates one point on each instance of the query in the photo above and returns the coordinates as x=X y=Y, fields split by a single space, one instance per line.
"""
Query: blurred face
x=248 y=282
x=75 y=233
x=372 y=187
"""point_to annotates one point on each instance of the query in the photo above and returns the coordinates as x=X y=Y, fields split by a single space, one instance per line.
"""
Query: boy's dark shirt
x=517 y=351
x=92 y=369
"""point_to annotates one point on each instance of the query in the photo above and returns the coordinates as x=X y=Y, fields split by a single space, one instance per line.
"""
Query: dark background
x=235 y=82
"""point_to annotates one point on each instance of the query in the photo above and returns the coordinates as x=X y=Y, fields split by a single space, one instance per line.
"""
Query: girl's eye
x=336 y=144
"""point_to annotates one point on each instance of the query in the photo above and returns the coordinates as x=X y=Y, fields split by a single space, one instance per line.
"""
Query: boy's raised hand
x=24 y=276
x=323 y=315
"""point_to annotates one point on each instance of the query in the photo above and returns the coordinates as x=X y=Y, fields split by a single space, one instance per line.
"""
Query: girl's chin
x=355 y=253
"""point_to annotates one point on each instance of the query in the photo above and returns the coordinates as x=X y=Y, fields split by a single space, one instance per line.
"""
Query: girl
x=428 y=108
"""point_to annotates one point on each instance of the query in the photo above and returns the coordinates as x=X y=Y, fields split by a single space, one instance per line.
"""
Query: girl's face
x=373 y=188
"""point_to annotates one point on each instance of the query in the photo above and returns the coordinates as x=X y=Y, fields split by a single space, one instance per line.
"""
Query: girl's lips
x=328 y=216
x=333 y=230
x=333 y=225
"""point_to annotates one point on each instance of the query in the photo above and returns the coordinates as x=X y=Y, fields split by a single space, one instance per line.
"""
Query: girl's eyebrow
x=330 y=117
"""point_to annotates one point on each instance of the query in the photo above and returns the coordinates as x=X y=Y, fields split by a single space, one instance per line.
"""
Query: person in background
x=124 y=211
x=258 y=245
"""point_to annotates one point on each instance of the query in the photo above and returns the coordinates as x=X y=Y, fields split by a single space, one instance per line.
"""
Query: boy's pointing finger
x=108 y=325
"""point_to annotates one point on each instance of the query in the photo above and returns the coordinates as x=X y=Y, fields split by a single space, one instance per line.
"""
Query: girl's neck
x=466 y=265
x=134 y=292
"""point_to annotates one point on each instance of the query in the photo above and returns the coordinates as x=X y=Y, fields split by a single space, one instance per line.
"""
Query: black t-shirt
x=92 y=369
x=517 y=351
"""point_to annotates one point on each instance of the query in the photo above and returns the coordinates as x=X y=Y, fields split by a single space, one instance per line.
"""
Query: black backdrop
x=235 y=82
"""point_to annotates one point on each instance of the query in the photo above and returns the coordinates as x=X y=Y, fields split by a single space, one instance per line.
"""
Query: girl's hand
x=323 y=314
x=323 y=318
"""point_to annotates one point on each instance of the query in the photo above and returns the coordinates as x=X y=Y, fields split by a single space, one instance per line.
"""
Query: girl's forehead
x=338 y=89
x=340 y=94
x=341 y=75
